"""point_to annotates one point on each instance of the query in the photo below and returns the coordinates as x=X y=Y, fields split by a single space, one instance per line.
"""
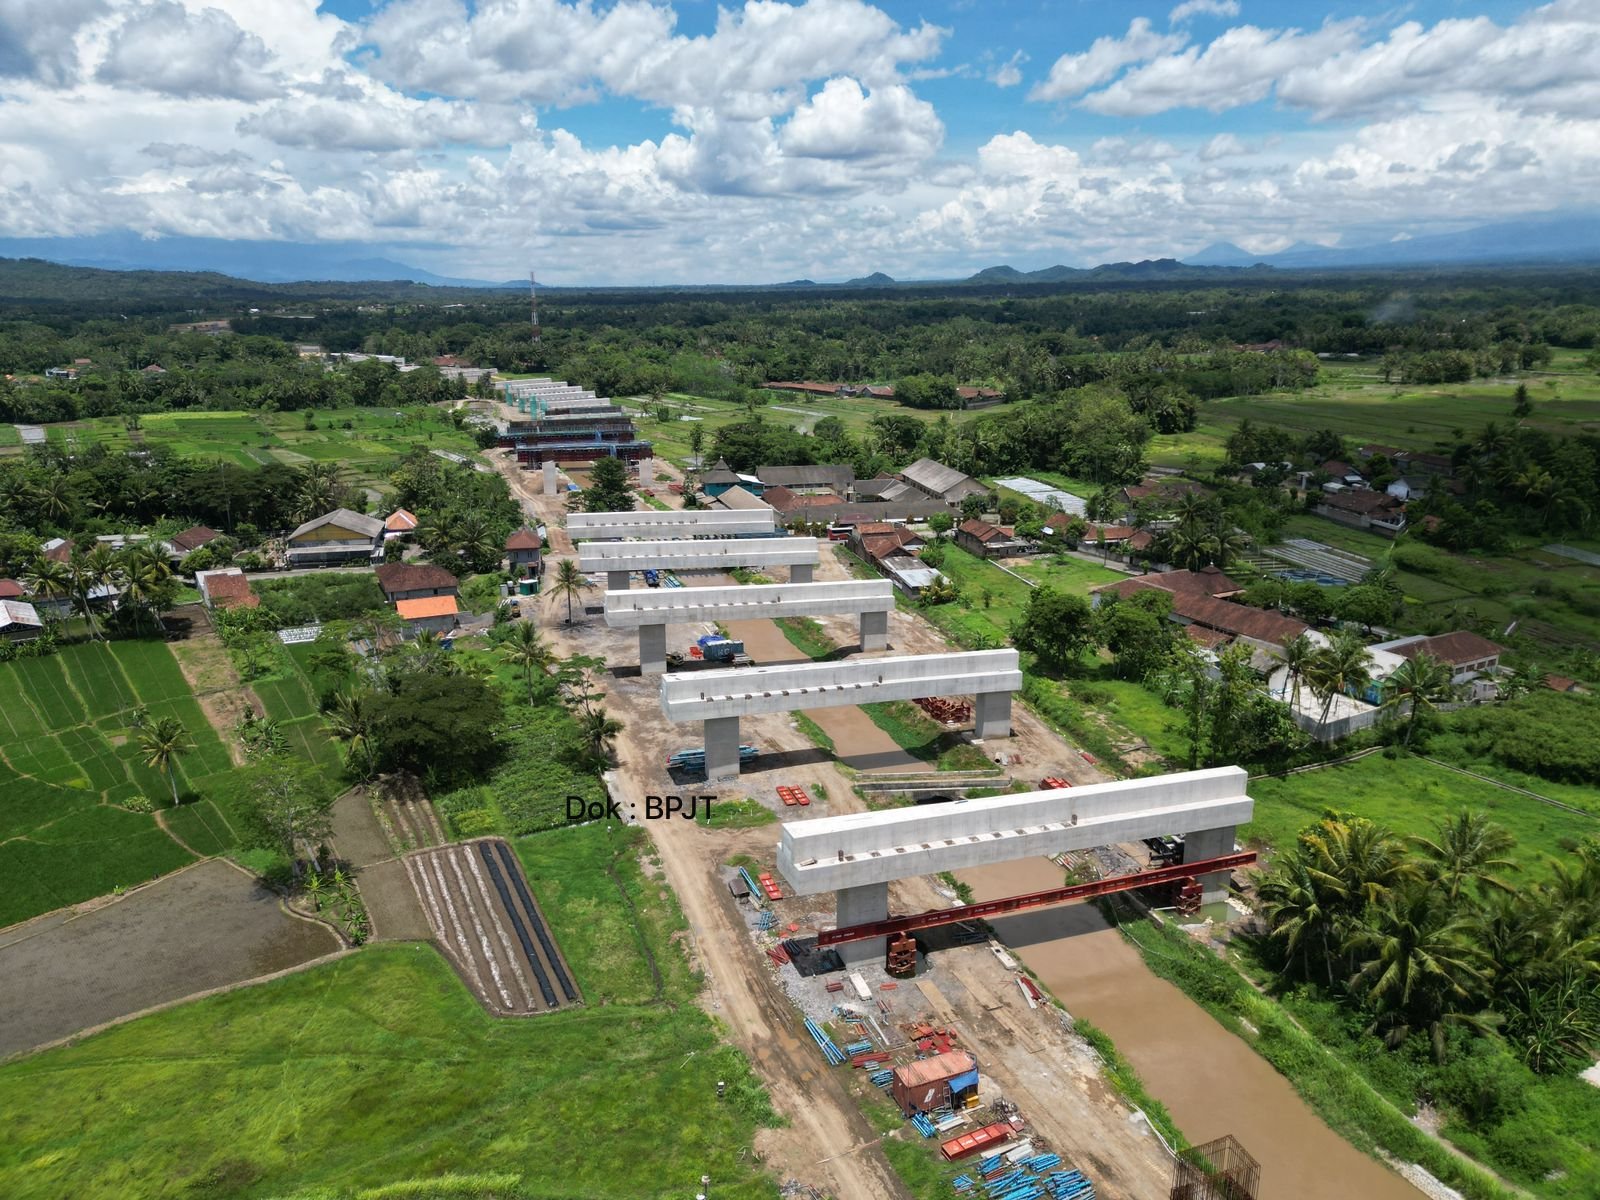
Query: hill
x=876 y=279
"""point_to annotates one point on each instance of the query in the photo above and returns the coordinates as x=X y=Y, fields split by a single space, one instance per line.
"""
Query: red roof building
x=193 y=538
x=408 y=581
x=10 y=589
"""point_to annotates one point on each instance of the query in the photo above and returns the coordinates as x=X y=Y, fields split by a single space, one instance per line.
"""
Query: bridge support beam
x=875 y=631
x=722 y=748
x=860 y=906
x=550 y=480
x=992 y=715
x=802 y=572
x=617 y=581
x=1210 y=843
x=652 y=649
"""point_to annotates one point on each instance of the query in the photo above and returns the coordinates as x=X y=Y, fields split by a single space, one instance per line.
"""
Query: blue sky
x=646 y=141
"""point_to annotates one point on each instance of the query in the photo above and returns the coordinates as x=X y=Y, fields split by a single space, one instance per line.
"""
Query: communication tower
x=533 y=300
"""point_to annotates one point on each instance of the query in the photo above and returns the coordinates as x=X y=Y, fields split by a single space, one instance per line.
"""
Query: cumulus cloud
x=40 y=41
x=1116 y=149
x=385 y=121
x=1073 y=74
x=1238 y=67
x=1202 y=8
x=1009 y=73
x=844 y=122
x=1224 y=145
x=166 y=48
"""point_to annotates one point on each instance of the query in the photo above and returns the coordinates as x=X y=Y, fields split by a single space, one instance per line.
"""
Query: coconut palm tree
x=48 y=578
x=1467 y=850
x=1417 y=685
x=52 y=497
x=1299 y=917
x=527 y=649
x=350 y=722
x=161 y=745
x=1298 y=654
x=1419 y=969
x=145 y=572
x=1225 y=544
x=569 y=582
x=599 y=733
x=1343 y=667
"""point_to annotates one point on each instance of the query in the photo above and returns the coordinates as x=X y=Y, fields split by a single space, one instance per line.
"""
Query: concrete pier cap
x=718 y=696
x=716 y=554
x=853 y=855
x=675 y=524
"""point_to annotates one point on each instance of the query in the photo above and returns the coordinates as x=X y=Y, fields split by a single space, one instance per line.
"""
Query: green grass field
x=1410 y=796
x=70 y=757
x=1067 y=574
x=381 y=1068
x=374 y=439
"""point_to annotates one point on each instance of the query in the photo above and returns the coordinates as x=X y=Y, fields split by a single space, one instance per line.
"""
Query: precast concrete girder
x=720 y=554
x=724 y=696
x=674 y=524
x=652 y=611
x=841 y=853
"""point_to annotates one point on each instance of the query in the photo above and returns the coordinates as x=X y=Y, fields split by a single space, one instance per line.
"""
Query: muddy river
x=1210 y=1080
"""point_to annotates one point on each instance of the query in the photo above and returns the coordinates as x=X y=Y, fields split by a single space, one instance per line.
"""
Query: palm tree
x=161 y=745
x=1343 y=667
x=1298 y=916
x=1419 y=969
x=1299 y=652
x=569 y=582
x=527 y=650
x=145 y=571
x=1354 y=862
x=599 y=732
x=49 y=578
x=1417 y=685
x=52 y=497
x=1186 y=545
x=1467 y=850
x=350 y=722
x=1225 y=544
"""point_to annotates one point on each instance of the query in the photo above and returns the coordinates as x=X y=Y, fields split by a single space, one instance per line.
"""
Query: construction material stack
x=901 y=962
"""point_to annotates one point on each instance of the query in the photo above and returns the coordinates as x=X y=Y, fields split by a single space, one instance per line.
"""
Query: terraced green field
x=69 y=759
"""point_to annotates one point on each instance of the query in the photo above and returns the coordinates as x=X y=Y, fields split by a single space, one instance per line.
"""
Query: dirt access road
x=829 y=1142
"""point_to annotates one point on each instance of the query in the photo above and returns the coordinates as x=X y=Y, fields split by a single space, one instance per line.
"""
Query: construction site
x=880 y=1010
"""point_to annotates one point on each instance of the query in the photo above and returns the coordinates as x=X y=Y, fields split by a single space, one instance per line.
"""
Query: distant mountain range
x=1550 y=238
x=1566 y=238
x=264 y=262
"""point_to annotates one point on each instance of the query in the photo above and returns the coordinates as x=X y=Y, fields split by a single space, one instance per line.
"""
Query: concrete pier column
x=652 y=649
x=802 y=572
x=992 y=715
x=617 y=581
x=1210 y=843
x=722 y=748
x=874 y=631
x=647 y=472
x=550 y=480
x=857 y=906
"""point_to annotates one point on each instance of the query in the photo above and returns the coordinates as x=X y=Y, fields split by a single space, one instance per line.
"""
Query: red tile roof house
x=1208 y=581
x=1469 y=657
x=437 y=614
x=228 y=587
x=1196 y=600
x=180 y=545
x=10 y=589
x=880 y=539
x=989 y=541
x=412 y=581
x=400 y=523
x=523 y=549
x=1377 y=511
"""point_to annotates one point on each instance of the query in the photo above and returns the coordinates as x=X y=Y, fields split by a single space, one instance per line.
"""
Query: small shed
x=924 y=1085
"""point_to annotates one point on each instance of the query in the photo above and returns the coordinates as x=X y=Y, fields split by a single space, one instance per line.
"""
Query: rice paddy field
x=381 y=1068
x=365 y=440
x=70 y=761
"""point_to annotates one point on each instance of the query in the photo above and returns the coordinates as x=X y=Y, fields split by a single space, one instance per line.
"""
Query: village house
x=10 y=589
x=1471 y=659
x=940 y=482
x=990 y=541
x=523 y=551
x=181 y=545
x=834 y=479
x=719 y=479
x=877 y=540
x=19 y=621
x=1377 y=511
x=428 y=614
x=401 y=523
x=226 y=587
x=340 y=537
x=411 y=581
x=739 y=498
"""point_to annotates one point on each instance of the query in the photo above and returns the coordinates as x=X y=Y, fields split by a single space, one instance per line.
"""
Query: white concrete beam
x=715 y=554
x=705 y=695
x=674 y=524
x=690 y=606
x=834 y=853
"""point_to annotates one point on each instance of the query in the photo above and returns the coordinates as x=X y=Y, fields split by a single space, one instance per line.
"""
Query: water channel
x=1210 y=1081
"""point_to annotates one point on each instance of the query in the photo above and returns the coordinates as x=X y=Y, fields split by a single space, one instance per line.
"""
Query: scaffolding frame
x=1218 y=1170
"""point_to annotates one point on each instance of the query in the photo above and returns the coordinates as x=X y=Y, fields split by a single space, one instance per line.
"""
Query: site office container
x=924 y=1085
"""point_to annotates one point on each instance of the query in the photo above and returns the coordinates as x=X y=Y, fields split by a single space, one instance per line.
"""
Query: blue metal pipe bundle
x=924 y=1126
x=883 y=1078
x=749 y=882
x=860 y=1047
x=1042 y=1162
x=1000 y=1184
x=832 y=1053
x=988 y=1164
x=962 y=1183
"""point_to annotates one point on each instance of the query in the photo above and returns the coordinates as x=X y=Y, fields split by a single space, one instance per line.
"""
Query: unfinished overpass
x=678 y=523
x=857 y=856
x=720 y=698
x=650 y=612
x=620 y=559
